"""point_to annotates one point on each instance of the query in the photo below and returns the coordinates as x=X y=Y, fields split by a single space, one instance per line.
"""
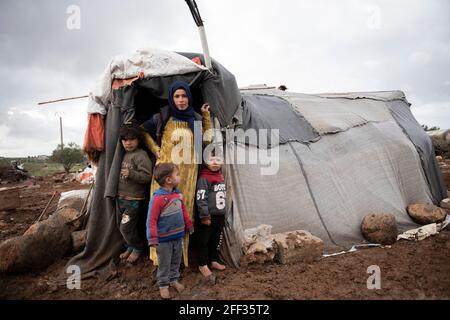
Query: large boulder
x=259 y=252
x=41 y=246
x=445 y=204
x=258 y=245
x=73 y=199
x=297 y=246
x=69 y=217
x=288 y=247
x=43 y=243
x=380 y=228
x=79 y=240
x=426 y=213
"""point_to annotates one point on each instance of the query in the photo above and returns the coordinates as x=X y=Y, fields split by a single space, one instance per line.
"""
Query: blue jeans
x=169 y=260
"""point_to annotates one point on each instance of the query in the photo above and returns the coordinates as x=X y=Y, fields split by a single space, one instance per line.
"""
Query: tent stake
x=46 y=207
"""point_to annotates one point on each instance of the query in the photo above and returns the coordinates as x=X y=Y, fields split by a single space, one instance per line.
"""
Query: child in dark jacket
x=135 y=175
x=211 y=197
x=167 y=222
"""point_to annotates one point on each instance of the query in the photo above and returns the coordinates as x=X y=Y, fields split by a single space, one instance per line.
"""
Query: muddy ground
x=34 y=196
x=409 y=270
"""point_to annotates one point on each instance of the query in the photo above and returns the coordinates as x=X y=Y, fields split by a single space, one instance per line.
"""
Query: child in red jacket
x=167 y=222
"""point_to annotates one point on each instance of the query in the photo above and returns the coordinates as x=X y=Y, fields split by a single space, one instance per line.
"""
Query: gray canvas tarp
x=272 y=112
x=103 y=237
x=362 y=162
x=412 y=128
x=327 y=187
x=333 y=113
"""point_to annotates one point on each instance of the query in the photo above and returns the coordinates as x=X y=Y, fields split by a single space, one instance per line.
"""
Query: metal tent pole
x=201 y=29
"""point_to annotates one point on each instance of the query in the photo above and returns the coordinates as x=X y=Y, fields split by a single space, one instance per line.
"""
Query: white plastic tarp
x=151 y=62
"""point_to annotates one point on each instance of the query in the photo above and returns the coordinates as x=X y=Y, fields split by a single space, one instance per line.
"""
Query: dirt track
x=408 y=271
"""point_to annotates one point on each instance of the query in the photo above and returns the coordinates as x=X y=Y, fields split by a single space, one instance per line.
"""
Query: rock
x=65 y=216
x=38 y=248
x=73 y=199
x=439 y=158
x=297 y=246
x=379 y=228
x=78 y=240
x=260 y=252
x=426 y=213
x=71 y=217
x=258 y=245
x=445 y=203
x=288 y=247
x=43 y=243
x=9 y=198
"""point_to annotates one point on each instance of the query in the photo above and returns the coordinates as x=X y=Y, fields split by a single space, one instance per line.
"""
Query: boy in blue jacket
x=167 y=222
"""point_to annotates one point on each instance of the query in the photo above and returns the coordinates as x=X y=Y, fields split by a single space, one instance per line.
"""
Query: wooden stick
x=87 y=197
x=64 y=99
x=46 y=207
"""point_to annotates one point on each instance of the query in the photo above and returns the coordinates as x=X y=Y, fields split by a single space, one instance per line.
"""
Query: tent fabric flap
x=405 y=119
x=272 y=112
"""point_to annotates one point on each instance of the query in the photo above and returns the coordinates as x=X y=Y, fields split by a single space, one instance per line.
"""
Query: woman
x=174 y=125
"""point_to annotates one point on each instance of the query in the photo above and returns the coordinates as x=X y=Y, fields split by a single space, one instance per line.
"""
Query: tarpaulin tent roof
x=158 y=69
x=341 y=156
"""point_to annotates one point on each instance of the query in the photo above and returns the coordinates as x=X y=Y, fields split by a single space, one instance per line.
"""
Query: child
x=211 y=196
x=135 y=173
x=167 y=222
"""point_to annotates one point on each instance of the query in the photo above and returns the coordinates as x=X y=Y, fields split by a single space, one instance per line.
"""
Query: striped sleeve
x=189 y=227
x=154 y=210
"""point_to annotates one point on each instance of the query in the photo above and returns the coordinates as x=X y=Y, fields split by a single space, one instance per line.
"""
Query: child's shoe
x=164 y=293
x=178 y=286
x=217 y=266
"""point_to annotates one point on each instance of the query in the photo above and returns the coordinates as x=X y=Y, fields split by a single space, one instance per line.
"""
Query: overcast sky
x=310 y=46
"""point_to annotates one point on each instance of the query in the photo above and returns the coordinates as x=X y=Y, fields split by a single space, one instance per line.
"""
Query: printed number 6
x=220 y=200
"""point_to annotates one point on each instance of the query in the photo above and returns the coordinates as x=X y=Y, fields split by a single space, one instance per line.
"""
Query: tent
x=337 y=157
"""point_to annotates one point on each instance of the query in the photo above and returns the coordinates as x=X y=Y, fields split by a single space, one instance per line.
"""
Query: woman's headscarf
x=183 y=115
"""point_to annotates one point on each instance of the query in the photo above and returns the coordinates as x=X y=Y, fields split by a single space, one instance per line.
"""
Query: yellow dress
x=188 y=171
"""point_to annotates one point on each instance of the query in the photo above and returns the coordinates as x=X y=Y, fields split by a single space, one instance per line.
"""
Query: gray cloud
x=320 y=46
